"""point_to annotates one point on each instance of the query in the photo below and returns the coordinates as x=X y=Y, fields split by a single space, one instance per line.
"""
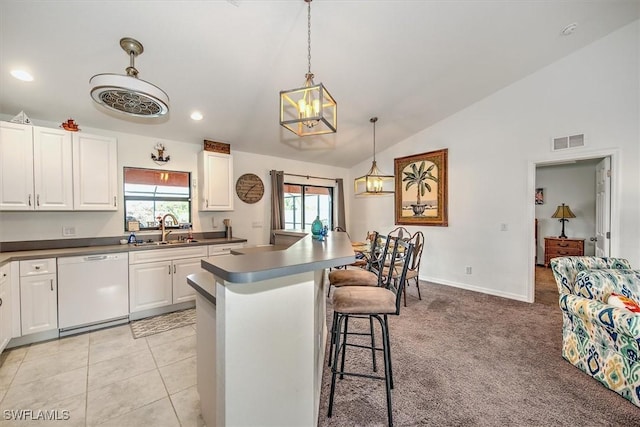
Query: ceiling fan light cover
x=129 y=95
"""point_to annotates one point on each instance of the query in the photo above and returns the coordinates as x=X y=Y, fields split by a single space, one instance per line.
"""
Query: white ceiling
x=411 y=63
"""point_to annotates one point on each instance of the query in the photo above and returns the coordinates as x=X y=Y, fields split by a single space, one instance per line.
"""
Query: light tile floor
x=104 y=378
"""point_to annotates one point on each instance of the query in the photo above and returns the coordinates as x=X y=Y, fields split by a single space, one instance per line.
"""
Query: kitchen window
x=149 y=194
x=303 y=203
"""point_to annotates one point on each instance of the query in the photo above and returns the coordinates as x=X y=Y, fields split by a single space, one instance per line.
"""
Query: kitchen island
x=261 y=332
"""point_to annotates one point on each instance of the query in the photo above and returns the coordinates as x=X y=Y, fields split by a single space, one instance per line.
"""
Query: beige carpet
x=463 y=358
x=164 y=322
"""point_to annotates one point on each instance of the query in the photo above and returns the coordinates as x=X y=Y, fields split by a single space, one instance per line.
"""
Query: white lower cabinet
x=150 y=285
x=158 y=278
x=181 y=269
x=38 y=296
x=5 y=307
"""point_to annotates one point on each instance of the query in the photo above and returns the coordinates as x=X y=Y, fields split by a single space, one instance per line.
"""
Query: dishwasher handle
x=95 y=257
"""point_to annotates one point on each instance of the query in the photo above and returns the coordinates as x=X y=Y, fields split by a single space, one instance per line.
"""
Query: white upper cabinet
x=52 y=170
x=215 y=176
x=16 y=166
x=95 y=168
x=35 y=168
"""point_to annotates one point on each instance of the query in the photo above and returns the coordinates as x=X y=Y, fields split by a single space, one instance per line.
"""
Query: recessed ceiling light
x=22 y=75
x=569 y=29
x=196 y=115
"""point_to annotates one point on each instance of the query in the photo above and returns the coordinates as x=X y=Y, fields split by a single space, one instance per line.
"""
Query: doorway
x=571 y=181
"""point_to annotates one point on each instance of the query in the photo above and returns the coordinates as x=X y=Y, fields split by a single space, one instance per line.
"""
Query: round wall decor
x=249 y=188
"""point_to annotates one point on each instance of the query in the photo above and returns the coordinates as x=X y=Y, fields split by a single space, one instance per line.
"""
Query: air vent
x=564 y=142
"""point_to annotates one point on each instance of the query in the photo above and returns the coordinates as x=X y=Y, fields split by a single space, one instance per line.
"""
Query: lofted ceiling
x=411 y=63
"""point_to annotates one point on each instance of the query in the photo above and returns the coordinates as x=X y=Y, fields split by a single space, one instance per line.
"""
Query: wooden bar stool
x=376 y=303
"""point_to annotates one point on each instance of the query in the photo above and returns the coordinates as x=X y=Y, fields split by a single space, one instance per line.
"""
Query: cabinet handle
x=174 y=269
x=38 y=200
x=51 y=281
x=114 y=201
x=206 y=202
x=0 y=302
x=4 y=274
x=169 y=270
x=29 y=199
x=37 y=267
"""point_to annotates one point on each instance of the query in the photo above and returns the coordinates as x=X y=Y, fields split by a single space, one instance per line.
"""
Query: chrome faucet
x=165 y=233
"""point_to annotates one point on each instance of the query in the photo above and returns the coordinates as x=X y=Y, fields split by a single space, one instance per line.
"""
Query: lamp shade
x=563 y=211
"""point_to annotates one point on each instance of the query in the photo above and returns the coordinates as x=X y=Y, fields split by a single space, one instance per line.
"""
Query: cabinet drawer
x=224 y=249
x=556 y=252
x=37 y=266
x=167 y=254
x=564 y=244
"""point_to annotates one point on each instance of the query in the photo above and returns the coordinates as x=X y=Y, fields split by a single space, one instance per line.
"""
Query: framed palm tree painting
x=421 y=189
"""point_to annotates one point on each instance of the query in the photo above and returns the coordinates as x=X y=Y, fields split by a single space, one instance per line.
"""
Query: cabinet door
x=181 y=269
x=216 y=181
x=52 y=173
x=5 y=308
x=150 y=285
x=95 y=173
x=38 y=303
x=16 y=167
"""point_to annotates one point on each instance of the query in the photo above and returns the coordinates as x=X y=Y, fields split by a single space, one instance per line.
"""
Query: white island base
x=260 y=350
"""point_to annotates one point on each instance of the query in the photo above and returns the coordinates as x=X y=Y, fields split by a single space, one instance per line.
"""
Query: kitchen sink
x=169 y=242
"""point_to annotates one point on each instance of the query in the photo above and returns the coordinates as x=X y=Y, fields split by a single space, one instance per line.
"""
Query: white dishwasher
x=93 y=291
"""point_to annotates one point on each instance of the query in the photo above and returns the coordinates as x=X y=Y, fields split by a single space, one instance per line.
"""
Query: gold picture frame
x=421 y=189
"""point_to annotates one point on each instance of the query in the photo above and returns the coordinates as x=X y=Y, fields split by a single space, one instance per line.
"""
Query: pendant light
x=128 y=94
x=310 y=109
x=375 y=182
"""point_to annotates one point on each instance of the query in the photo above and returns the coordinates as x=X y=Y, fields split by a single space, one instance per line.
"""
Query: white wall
x=493 y=148
x=248 y=221
x=575 y=186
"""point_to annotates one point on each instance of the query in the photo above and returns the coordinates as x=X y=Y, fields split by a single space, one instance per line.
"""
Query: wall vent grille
x=565 y=142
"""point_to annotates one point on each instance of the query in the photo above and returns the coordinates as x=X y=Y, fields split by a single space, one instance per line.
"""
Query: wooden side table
x=557 y=247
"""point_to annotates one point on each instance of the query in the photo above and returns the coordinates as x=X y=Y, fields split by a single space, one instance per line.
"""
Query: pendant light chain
x=374 y=120
x=309 y=35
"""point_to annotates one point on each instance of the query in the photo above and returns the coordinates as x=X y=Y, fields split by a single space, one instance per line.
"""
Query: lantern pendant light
x=374 y=182
x=310 y=109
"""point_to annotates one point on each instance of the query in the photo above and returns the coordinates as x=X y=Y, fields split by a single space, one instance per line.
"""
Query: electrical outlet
x=68 y=231
x=504 y=227
x=468 y=270
x=256 y=224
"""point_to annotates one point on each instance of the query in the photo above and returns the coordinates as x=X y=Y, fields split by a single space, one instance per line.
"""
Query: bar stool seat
x=364 y=300
x=340 y=278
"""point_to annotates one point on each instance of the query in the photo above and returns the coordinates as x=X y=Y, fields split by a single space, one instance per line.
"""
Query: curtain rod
x=309 y=176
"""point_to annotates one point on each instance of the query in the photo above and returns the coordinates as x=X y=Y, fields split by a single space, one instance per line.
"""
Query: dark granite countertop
x=262 y=263
x=6 y=257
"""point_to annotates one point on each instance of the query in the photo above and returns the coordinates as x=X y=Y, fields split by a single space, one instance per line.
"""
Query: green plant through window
x=149 y=194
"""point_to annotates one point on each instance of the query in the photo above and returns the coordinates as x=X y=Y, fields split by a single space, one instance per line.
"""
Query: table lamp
x=563 y=212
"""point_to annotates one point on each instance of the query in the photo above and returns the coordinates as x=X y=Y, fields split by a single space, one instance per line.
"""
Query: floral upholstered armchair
x=598 y=337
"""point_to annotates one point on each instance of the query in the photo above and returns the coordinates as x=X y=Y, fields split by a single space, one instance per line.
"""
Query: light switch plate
x=68 y=231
